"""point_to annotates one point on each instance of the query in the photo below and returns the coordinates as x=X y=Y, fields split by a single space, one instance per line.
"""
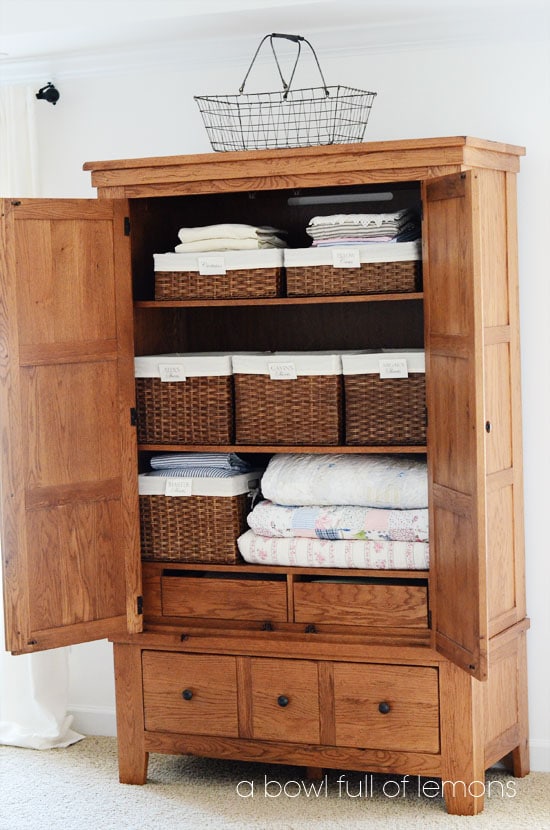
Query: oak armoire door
x=70 y=530
x=472 y=373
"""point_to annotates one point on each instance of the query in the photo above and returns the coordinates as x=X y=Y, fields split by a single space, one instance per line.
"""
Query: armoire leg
x=132 y=757
x=520 y=755
x=462 y=747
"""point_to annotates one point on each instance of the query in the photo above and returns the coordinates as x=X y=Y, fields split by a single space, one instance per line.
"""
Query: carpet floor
x=77 y=788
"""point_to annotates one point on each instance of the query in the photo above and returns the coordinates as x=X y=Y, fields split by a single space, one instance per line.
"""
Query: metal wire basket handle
x=298 y=40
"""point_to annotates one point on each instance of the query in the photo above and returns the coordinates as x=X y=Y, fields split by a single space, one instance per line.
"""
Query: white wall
x=498 y=91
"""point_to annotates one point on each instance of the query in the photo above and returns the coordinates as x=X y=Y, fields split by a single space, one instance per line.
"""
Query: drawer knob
x=384 y=708
x=282 y=700
x=187 y=694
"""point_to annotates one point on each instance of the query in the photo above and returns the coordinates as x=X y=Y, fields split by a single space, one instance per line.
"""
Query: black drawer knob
x=282 y=700
x=187 y=694
x=384 y=708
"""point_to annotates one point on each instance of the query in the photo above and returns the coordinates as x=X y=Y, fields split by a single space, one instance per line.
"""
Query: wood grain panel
x=75 y=564
x=63 y=405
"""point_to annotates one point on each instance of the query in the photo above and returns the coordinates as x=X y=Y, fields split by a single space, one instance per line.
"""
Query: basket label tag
x=179 y=487
x=393 y=367
x=211 y=264
x=282 y=371
x=345 y=257
x=172 y=372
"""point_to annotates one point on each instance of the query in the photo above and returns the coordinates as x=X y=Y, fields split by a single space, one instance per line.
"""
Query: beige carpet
x=77 y=789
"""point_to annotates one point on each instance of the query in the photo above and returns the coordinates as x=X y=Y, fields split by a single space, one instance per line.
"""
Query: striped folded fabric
x=203 y=460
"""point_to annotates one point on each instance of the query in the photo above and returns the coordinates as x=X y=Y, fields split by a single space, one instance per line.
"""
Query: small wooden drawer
x=386 y=707
x=223 y=596
x=190 y=693
x=285 y=700
x=379 y=603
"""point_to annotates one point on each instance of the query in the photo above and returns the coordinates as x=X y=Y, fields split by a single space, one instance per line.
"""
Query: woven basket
x=198 y=411
x=193 y=528
x=304 y=411
x=235 y=284
x=385 y=411
x=369 y=278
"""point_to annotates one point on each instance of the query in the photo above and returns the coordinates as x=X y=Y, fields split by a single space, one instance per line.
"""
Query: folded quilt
x=330 y=553
x=384 y=481
x=339 y=522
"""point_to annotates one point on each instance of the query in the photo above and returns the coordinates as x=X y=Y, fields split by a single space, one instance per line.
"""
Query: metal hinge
x=126 y=226
x=133 y=416
x=139 y=603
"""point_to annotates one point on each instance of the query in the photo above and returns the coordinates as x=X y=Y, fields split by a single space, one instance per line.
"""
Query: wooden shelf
x=253 y=448
x=279 y=301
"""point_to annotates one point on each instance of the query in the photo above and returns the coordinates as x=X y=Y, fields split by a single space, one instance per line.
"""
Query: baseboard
x=539 y=752
x=102 y=721
x=93 y=720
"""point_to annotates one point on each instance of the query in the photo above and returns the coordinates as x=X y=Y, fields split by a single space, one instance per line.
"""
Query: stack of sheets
x=228 y=237
x=363 y=228
x=341 y=511
x=198 y=465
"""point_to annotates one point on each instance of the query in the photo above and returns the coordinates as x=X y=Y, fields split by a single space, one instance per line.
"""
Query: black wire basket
x=286 y=118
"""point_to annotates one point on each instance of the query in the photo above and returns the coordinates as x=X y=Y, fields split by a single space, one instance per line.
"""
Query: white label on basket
x=172 y=372
x=282 y=371
x=345 y=257
x=211 y=264
x=179 y=487
x=393 y=368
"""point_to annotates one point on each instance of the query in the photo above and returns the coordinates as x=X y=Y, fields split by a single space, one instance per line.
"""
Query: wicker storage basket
x=202 y=526
x=385 y=411
x=378 y=269
x=184 y=399
x=288 y=399
x=225 y=275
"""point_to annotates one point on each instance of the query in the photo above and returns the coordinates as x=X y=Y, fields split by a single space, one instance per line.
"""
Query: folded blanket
x=228 y=237
x=322 y=553
x=339 y=522
x=386 y=481
x=228 y=230
x=229 y=244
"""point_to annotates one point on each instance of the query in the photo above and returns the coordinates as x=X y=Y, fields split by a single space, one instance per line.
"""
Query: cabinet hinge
x=126 y=226
x=133 y=416
x=139 y=603
x=429 y=619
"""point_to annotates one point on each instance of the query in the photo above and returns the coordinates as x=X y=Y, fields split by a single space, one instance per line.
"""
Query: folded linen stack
x=199 y=465
x=364 y=228
x=228 y=237
x=340 y=511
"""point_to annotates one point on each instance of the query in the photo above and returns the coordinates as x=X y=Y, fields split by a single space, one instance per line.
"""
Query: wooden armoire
x=432 y=685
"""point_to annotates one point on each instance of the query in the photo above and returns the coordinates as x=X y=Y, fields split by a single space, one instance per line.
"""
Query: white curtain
x=33 y=687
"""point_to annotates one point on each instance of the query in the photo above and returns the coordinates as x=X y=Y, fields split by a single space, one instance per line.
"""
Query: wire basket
x=286 y=118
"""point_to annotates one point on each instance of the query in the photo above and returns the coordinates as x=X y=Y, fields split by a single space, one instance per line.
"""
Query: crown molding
x=202 y=52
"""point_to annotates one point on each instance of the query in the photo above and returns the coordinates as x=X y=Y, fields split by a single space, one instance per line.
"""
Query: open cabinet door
x=455 y=399
x=70 y=530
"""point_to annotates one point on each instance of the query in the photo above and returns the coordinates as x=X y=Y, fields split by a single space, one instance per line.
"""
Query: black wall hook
x=48 y=93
